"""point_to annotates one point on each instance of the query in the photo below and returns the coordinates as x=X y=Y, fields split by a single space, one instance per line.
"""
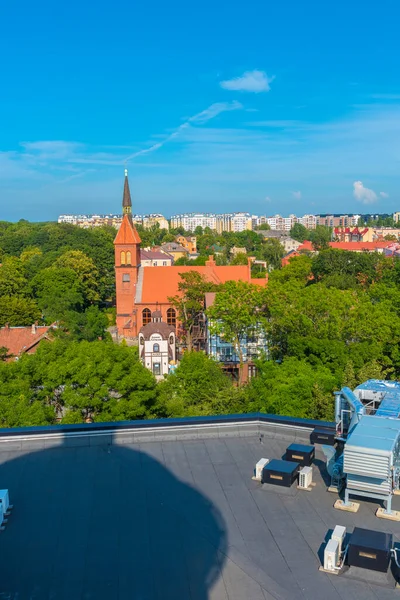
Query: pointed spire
x=126 y=200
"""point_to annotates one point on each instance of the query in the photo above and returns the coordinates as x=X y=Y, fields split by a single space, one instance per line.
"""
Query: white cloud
x=268 y=199
x=251 y=81
x=383 y=195
x=363 y=194
x=297 y=195
x=202 y=117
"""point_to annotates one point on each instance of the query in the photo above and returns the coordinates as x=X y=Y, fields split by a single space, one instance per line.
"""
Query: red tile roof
x=160 y=283
x=352 y=246
x=21 y=339
x=127 y=233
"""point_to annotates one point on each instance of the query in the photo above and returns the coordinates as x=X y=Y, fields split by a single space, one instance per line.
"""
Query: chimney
x=33 y=330
x=210 y=262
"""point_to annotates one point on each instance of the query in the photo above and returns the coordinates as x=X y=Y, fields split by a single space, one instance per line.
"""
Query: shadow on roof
x=108 y=522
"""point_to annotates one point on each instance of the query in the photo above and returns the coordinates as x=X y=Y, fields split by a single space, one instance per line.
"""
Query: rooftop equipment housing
x=300 y=453
x=370 y=549
x=280 y=472
x=368 y=423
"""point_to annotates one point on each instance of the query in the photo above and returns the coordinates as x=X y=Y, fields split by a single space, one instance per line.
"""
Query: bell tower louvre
x=127 y=263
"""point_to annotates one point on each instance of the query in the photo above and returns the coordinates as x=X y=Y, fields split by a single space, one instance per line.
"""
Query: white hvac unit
x=259 y=468
x=4 y=500
x=305 y=477
x=331 y=555
x=338 y=536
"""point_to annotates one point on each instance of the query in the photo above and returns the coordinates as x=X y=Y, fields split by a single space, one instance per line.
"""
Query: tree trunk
x=189 y=341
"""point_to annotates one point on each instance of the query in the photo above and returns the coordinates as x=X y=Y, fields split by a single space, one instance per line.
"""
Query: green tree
x=12 y=279
x=237 y=313
x=299 y=233
x=85 y=270
x=239 y=259
x=272 y=252
x=263 y=227
x=293 y=388
x=194 y=388
x=90 y=325
x=320 y=237
x=189 y=303
x=18 y=311
x=58 y=291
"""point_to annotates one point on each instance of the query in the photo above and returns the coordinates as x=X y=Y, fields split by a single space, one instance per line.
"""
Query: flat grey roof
x=175 y=520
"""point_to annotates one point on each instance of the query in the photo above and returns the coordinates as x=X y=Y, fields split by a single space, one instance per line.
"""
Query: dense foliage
x=330 y=320
x=56 y=272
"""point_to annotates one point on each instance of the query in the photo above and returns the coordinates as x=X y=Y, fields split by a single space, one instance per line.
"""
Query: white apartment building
x=309 y=221
x=225 y=222
x=241 y=222
x=190 y=221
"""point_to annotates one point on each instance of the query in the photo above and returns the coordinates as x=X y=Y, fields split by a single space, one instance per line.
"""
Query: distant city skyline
x=246 y=110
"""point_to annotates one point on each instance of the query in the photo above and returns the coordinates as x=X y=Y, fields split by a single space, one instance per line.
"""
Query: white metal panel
x=370 y=464
x=368 y=484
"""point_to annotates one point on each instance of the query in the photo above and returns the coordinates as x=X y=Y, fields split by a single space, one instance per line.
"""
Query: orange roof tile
x=20 y=339
x=352 y=246
x=160 y=283
x=127 y=233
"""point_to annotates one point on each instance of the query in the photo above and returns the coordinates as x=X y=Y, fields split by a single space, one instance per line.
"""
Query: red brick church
x=142 y=290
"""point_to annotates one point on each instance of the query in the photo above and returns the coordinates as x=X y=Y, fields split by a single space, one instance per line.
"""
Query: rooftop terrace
x=169 y=514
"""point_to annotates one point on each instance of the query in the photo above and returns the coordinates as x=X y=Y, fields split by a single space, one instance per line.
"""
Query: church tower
x=127 y=264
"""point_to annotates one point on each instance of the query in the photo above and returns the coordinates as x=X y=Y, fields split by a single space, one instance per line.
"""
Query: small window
x=123 y=258
x=157 y=368
x=155 y=263
x=171 y=317
x=126 y=277
x=164 y=263
x=146 y=316
x=128 y=258
x=156 y=347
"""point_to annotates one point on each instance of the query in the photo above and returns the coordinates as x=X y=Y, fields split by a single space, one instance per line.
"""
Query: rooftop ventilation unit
x=331 y=555
x=259 y=468
x=338 y=535
x=305 y=477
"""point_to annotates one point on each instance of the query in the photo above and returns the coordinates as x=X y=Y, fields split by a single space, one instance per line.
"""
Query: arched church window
x=171 y=317
x=156 y=347
x=123 y=258
x=146 y=316
x=128 y=258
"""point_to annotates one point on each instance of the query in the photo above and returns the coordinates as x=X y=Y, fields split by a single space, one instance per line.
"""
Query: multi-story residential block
x=338 y=220
x=396 y=217
x=309 y=221
x=87 y=221
x=241 y=222
x=190 y=221
x=151 y=220
x=224 y=222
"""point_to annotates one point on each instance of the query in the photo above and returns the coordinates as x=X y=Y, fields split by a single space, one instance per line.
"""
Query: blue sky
x=260 y=106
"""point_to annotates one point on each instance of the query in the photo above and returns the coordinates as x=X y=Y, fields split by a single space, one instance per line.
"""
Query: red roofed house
x=142 y=290
x=23 y=340
x=382 y=246
x=353 y=234
x=377 y=246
